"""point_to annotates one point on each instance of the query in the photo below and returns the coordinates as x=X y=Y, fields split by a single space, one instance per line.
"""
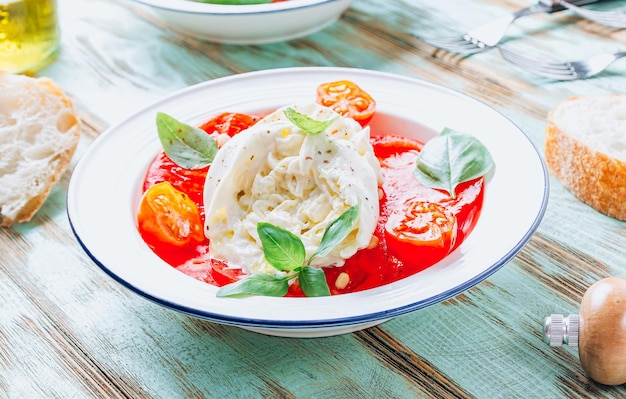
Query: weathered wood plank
x=67 y=330
x=70 y=331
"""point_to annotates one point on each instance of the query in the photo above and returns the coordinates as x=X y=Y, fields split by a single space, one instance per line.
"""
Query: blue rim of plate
x=326 y=322
x=191 y=7
x=339 y=322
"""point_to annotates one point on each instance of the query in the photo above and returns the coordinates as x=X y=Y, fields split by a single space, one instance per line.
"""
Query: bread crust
x=59 y=136
x=596 y=178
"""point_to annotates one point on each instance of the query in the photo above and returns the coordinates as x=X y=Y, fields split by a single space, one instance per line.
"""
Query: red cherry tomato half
x=222 y=274
x=229 y=123
x=168 y=216
x=386 y=146
x=420 y=234
x=347 y=99
x=189 y=181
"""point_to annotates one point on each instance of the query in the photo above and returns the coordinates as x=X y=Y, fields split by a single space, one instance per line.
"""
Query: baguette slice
x=585 y=148
x=39 y=132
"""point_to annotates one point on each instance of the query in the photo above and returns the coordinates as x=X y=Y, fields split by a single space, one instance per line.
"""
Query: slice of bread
x=39 y=132
x=585 y=148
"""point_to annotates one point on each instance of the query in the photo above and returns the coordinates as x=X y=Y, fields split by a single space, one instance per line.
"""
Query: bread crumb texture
x=39 y=132
x=585 y=149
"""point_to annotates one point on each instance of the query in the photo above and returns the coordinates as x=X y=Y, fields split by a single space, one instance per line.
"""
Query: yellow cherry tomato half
x=347 y=99
x=168 y=216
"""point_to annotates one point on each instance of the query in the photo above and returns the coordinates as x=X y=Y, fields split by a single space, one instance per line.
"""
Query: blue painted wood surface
x=68 y=331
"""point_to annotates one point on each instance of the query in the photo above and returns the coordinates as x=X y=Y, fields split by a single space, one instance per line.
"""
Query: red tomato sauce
x=368 y=268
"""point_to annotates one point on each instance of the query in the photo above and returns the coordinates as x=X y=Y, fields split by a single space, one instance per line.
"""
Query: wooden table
x=67 y=330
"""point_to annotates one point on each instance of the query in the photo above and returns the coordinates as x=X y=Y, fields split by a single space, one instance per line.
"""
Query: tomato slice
x=168 y=216
x=421 y=233
x=229 y=123
x=347 y=99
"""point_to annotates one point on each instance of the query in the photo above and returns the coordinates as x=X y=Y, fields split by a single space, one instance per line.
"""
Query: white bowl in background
x=105 y=190
x=248 y=24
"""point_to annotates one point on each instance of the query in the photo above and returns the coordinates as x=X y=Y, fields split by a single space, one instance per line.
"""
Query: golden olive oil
x=29 y=34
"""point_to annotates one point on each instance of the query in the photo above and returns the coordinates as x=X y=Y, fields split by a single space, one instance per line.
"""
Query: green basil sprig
x=188 y=146
x=285 y=252
x=282 y=249
x=257 y=284
x=306 y=123
x=234 y=2
x=450 y=159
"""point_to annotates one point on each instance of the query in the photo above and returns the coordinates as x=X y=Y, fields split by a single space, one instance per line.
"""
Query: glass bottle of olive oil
x=29 y=34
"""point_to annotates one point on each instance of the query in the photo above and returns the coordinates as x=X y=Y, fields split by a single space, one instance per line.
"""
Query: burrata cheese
x=276 y=172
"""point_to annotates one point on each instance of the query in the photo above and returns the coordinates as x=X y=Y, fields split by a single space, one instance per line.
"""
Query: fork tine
x=485 y=36
x=616 y=18
x=456 y=45
x=448 y=42
x=488 y=35
x=612 y=20
x=531 y=63
x=570 y=70
x=552 y=70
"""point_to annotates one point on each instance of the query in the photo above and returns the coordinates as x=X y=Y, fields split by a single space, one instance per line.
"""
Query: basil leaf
x=337 y=231
x=450 y=159
x=256 y=284
x=306 y=123
x=188 y=146
x=313 y=282
x=282 y=249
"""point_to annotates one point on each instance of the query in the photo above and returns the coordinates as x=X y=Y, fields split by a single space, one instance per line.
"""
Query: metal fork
x=615 y=18
x=486 y=36
x=563 y=70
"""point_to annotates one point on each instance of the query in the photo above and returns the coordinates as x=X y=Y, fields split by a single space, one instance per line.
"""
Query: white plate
x=248 y=24
x=104 y=193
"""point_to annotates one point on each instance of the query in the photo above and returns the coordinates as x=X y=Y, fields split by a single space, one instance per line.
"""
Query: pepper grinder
x=599 y=331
